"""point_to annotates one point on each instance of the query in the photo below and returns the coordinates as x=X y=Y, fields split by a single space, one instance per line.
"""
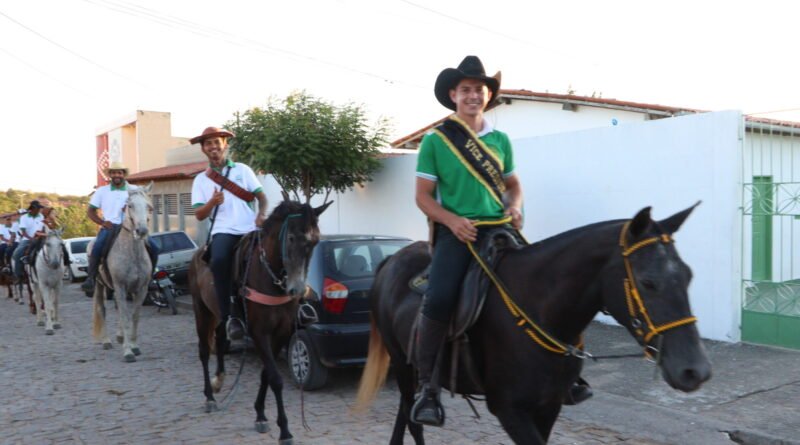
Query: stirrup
x=306 y=315
x=229 y=328
x=425 y=398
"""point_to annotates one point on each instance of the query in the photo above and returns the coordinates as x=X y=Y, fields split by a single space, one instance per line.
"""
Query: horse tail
x=98 y=321
x=375 y=371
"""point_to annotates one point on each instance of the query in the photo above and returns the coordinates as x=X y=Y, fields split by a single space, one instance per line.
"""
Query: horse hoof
x=107 y=346
x=39 y=323
x=49 y=332
x=56 y=326
x=289 y=441
x=136 y=351
x=216 y=384
x=130 y=358
x=262 y=426
x=211 y=406
x=120 y=339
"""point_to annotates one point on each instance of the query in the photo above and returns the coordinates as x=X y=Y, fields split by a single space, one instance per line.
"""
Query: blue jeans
x=18 y=257
x=223 y=246
x=102 y=238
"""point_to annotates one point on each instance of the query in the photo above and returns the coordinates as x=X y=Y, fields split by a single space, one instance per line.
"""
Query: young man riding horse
x=225 y=193
x=470 y=167
x=31 y=225
x=6 y=240
x=110 y=199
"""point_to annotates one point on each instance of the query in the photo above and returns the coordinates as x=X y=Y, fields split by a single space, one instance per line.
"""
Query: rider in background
x=13 y=229
x=110 y=199
x=234 y=217
x=31 y=225
x=5 y=240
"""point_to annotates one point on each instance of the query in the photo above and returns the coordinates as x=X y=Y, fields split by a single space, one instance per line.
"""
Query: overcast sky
x=71 y=66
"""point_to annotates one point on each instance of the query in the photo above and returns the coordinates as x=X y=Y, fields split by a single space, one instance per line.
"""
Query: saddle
x=457 y=354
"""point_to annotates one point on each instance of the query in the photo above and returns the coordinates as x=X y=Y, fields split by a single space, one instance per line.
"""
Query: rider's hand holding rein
x=516 y=217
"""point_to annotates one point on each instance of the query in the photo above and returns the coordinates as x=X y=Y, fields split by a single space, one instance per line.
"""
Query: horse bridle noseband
x=262 y=256
x=641 y=322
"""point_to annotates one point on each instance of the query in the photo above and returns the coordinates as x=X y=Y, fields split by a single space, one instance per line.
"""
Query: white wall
x=576 y=178
x=573 y=179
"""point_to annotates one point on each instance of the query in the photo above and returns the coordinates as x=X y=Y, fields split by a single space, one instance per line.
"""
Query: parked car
x=341 y=271
x=76 y=249
x=176 y=250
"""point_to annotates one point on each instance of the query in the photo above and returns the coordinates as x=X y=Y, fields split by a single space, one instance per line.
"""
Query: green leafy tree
x=310 y=146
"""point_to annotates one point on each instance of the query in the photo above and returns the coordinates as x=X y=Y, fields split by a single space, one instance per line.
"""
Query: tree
x=310 y=146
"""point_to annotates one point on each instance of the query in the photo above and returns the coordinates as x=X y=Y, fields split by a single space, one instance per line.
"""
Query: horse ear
x=285 y=195
x=148 y=188
x=318 y=210
x=59 y=231
x=640 y=223
x=674 y=222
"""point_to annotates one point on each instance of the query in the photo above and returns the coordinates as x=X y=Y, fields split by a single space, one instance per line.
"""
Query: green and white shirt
x=111 y=201
x=457 y=189
x=235 y=216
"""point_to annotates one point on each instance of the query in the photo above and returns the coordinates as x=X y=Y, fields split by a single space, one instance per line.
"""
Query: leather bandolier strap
x=230 y=186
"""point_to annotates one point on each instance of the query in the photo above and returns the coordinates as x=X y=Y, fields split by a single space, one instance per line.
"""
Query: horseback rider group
x=21 y=236
x=110 y=199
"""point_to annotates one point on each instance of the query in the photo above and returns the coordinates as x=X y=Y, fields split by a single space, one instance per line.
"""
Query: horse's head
x=52 y=248
x=647 y=292
x=291 y=234
x=137 y=210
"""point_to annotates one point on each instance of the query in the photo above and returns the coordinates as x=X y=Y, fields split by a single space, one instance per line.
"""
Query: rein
x=262 y=255
x=640 y=318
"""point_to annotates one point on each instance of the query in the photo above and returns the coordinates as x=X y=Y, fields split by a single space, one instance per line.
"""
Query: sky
x=70 y=67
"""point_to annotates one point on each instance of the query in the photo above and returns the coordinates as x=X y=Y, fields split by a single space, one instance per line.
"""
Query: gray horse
x=127 y=271
x=46 y=276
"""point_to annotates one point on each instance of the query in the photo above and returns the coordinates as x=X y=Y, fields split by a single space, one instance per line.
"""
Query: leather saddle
x=457 y=355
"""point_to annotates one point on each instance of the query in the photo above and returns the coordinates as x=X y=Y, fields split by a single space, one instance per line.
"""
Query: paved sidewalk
x=66 y=389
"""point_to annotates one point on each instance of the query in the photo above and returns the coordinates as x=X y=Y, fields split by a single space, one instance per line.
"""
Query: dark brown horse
x=558 y=285
x=274 y=262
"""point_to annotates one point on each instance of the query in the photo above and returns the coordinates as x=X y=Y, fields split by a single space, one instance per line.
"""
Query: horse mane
x=283 y=210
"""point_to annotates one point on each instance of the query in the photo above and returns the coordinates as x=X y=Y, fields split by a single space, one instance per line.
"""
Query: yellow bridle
x=640 y=318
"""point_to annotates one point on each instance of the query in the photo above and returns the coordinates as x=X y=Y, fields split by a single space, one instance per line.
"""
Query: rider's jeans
x=20 y=250
x=102 y=239
x=222 y=247
x=451 y=259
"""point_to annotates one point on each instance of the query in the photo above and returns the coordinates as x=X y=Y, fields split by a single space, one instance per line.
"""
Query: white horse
x=127 y=269
x=46 y=276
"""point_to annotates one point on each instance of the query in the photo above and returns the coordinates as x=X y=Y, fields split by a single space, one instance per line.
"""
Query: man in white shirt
x=31 y=226
x=110 y=199
x=232 y=215
x=13 y=230
x=5 y=239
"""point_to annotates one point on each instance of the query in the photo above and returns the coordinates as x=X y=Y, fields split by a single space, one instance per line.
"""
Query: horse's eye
x=648 y=284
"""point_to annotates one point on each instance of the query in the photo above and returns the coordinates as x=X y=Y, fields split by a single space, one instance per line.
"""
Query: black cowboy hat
x=35 y=204
x=469 y=68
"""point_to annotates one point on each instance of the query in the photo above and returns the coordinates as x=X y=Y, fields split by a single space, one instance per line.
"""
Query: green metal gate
x=771 y=233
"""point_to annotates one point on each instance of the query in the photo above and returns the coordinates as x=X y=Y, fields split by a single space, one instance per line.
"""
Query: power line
x=18 y=59
x=86 y=59
x=233 y=39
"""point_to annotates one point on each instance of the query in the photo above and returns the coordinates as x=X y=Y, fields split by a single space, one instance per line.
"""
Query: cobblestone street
x=66 y=389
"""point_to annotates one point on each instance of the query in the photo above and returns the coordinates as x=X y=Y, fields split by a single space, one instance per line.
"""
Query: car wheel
x=304 y=364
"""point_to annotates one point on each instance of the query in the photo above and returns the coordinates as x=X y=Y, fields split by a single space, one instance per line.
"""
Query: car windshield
x=359 y=258
x=78 y=246
x=171 y=242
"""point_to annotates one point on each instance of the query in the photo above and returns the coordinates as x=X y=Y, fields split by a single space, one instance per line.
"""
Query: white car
x=76 y=248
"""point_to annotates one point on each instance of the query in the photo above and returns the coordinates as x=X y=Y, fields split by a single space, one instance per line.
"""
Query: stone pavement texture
x=66 y=389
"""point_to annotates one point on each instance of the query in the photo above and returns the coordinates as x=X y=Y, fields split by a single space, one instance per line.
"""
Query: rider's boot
x=578 y=392
x=234 y=325
x=91 y=274
x=428 y=409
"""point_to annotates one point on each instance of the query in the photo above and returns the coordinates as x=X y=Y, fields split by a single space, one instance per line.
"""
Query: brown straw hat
x=211 y=132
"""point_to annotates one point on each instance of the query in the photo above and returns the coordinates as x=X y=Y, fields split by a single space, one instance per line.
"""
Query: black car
x=341 y=272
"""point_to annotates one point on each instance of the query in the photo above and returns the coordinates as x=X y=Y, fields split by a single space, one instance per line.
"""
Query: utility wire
x=18 y=59
x=213 y=33
x=86 y=59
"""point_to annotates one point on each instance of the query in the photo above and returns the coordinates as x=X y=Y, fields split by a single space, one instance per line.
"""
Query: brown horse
x=526 y=340
x=272 y=261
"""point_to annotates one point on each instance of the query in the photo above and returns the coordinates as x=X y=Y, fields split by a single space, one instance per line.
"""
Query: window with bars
x=158 y=208
x=171 y=203
x=186 y=203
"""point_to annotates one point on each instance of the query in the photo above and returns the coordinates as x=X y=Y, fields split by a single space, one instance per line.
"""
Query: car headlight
x=80 y=261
